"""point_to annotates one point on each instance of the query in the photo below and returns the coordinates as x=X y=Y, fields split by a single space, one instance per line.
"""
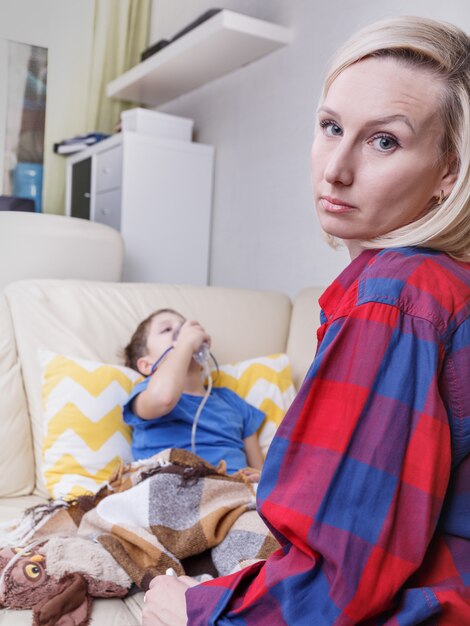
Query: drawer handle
x=106 y=170
x=104 y=211
x=87 y=194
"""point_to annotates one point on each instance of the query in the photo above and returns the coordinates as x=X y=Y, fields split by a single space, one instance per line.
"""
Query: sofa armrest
x=38 y=245
x=302 y=341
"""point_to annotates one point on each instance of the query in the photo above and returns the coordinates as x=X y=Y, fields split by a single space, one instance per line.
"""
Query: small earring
x=440 y=197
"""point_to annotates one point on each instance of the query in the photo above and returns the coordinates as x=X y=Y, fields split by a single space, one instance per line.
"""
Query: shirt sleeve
x=353 y=484
x=252 y=417
x=253 y=420
x=128 y=414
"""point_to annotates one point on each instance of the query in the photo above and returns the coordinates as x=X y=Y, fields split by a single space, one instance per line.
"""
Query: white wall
x=260 y=119
x=64 y=27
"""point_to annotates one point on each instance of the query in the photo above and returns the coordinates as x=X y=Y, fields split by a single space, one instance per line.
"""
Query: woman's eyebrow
x=328 y=111
x=376 y=121
x=392 y=118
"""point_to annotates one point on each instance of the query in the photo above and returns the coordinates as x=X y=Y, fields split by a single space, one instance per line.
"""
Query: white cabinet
x=157 y=193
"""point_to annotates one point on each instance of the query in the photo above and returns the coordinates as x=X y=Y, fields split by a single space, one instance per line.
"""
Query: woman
x=367 y=482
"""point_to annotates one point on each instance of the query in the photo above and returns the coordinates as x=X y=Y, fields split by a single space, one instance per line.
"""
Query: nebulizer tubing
x=160 y=359
x=204 y=362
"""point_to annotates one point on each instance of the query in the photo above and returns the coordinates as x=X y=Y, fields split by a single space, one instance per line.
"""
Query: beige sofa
x=94 y=320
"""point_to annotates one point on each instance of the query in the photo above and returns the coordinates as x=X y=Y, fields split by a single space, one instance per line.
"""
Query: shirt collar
x=343 y=291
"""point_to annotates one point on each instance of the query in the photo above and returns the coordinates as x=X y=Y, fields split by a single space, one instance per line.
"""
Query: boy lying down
x=162 y=408
x=168 y=509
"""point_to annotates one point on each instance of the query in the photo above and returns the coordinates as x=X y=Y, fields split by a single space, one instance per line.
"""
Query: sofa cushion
x=105 y=612
x=302 y=342
x=17 y=461
x=264 y=382
x=12 y=509
x=94 y=321
x=85 y=437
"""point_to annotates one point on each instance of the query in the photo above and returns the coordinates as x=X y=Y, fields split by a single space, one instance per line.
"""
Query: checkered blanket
x=173 y=510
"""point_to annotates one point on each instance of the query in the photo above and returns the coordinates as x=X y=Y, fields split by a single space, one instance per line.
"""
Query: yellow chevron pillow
x=266 y=383
x=85 y=437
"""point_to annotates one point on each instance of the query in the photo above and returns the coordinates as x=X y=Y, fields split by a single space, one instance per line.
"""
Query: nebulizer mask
x=201 y=356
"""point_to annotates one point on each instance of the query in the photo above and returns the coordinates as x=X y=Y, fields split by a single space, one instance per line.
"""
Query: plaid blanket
x=173 y=510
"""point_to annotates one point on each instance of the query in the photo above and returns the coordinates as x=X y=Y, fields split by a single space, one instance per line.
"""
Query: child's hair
x=137 y=346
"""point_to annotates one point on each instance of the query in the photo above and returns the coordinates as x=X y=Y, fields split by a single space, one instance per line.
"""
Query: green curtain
x=120 y=33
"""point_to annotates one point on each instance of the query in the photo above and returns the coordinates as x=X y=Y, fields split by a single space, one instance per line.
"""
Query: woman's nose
x=340 y=167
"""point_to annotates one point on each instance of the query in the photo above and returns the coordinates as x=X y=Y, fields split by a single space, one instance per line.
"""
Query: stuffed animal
x=58 y=578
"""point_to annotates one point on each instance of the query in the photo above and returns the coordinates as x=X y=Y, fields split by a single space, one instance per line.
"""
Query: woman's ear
x=449 y=175
x=144 y=365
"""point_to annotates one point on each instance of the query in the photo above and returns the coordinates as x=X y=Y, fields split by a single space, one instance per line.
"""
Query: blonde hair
x=443 y=49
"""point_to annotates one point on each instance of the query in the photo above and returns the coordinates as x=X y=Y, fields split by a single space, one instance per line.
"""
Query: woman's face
x=375 y=156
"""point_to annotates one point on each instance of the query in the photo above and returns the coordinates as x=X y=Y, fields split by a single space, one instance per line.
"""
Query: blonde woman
x=367 y=483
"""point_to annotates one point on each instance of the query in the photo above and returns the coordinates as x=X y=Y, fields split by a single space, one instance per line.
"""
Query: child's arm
x=167 y=383
x=254 y=457
x=253 y=452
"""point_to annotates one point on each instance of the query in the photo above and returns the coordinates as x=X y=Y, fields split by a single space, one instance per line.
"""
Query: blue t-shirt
x=226 y=420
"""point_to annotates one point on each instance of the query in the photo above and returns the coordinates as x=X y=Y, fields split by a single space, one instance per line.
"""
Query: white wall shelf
x=225 y=42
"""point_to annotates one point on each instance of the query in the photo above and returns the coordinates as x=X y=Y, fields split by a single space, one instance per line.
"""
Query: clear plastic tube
x=207 y=374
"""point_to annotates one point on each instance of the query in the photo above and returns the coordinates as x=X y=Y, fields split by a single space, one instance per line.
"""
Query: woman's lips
x=336 y=205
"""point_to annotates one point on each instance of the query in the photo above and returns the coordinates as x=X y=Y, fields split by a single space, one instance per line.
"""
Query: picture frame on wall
x=23 y=75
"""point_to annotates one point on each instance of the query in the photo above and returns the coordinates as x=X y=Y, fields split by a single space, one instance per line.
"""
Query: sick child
x=161 y=408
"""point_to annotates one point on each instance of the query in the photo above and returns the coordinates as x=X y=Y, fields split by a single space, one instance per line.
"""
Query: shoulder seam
x=408 y=309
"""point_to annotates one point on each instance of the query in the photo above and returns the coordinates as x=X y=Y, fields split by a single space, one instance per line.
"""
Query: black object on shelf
x=14 y=203
x=165 y=42
x=155 y=48
x=78 y=143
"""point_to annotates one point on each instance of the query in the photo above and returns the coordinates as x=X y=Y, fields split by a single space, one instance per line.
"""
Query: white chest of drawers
x=157 y=193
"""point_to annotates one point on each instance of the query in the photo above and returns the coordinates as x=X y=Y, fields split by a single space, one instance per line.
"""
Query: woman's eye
x=330 y=128
x=384 y=143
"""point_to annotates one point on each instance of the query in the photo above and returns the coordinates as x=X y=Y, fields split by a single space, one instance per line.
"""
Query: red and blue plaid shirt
x=367 y=482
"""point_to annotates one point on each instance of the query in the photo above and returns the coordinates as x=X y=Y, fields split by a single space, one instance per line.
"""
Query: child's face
x=160 y=336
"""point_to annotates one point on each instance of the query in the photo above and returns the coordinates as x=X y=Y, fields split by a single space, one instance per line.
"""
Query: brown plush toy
x=58 y=597
x=70 y=604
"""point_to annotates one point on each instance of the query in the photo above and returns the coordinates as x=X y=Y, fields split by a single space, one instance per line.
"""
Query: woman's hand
x=165 y=602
